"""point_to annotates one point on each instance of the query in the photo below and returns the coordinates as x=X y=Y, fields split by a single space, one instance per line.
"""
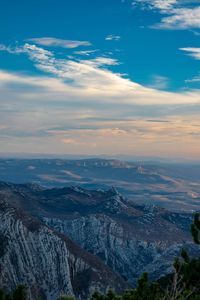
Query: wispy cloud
x=85 y=52
x=102 y=61
x=112 y=37
x=195 y=79
x=88 y=73
x=54 y=42
x=195 y=32
x=193 y=52
x=159 y=82
x=92 y=107
x=11 y=50
x=90 y=77
x=181 y=18
x=176 y=14
x=156 y=4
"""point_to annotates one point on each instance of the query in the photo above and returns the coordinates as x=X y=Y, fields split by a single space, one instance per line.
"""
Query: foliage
x=63 y=297
x=195 y=228
x=20 y=293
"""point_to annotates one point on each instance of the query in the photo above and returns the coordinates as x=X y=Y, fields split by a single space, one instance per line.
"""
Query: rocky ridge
x=49 y=263
x=129 y=238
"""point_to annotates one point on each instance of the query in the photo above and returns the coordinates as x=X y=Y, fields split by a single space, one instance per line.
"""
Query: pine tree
x=20 y=293
x=64 y=297
x=2 y=295
x=97 y=296
x=195 y=228
x=112 y=296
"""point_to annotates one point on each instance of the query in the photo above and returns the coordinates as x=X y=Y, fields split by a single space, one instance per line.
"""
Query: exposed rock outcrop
x=49 y=263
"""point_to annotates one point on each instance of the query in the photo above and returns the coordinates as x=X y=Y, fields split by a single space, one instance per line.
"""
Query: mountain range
x=173 y=186
x=72 y=240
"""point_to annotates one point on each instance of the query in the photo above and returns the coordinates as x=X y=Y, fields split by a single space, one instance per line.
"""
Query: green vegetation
x=183 y=284
x=20 y=293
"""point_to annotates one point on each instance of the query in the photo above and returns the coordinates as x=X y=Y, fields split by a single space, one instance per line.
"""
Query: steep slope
x=128 y=237
x=47 y=262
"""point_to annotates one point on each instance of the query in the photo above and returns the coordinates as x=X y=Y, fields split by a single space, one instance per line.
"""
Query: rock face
x=49 y=263
x=129 y=238
x=119 y=249
x=128 y=251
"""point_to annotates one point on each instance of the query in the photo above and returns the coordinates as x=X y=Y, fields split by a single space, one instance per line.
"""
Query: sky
x=109 y=77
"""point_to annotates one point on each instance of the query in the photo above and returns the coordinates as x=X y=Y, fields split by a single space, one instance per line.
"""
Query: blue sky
x=100 y=77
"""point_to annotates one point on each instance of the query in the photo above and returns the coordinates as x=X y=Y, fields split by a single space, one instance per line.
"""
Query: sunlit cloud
x=92 y=109
x=69 y=141
x=54 y=42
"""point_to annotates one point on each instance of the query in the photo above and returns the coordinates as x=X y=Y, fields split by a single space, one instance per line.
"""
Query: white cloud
x=193 y=52
x=101 y=61
x=181 y=18
x=84 y=104
x=156 y=4
x=82 y=73
x=54 y=42
x=195 y=79
x=112 y=37
x=85 y=52
x=55 y=116
x=179 y=15
x=89 y=79
x=11 y=50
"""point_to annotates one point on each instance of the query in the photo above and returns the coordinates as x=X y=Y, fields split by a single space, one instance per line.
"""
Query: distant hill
x=173 y=186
